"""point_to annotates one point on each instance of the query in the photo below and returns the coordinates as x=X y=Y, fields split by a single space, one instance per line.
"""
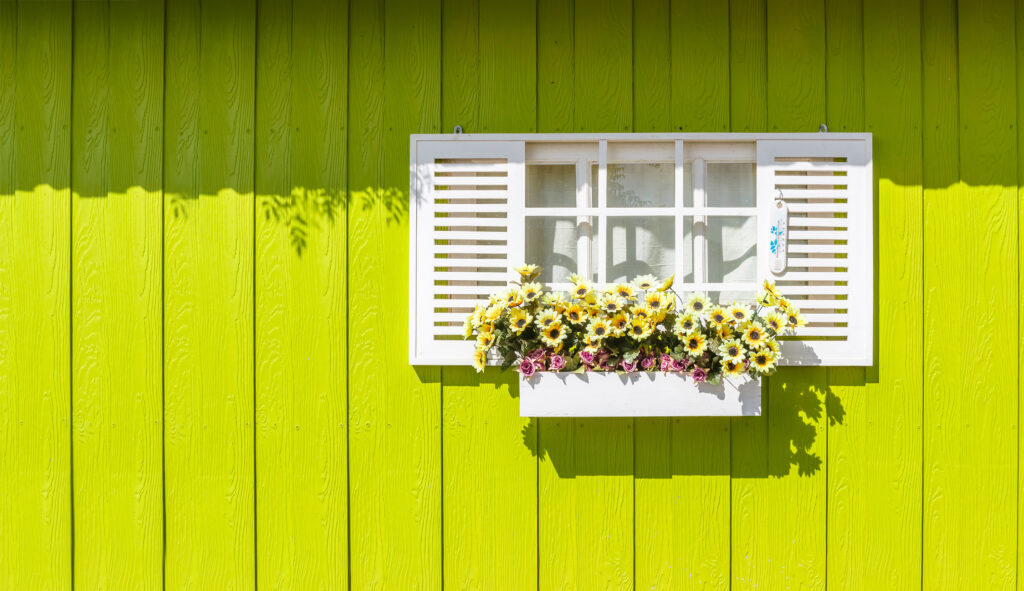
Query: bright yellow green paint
x=203 y=302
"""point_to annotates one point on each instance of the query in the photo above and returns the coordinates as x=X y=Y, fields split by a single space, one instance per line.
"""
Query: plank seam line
x=163 y=305
x=71 y=285
x=348 y=373
x=255 y=270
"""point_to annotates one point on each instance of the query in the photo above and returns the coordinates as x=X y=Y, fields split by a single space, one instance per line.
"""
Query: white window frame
x=714 y=147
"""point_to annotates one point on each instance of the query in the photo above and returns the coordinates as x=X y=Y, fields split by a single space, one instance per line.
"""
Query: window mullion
x=680 y=216
x=584 y=223
x=700 y=242
x=602 y=202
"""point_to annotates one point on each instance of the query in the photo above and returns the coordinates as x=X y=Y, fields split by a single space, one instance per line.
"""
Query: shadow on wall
x=797 y=411
x=305 y=211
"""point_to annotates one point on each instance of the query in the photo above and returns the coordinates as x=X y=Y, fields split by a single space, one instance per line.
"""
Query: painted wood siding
x=203 y=302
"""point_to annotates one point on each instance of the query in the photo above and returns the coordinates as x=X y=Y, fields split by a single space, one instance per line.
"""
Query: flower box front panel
x=641 y=394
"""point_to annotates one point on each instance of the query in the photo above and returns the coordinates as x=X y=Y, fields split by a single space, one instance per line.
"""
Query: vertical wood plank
x=652 y=66
x=779 y=483
x=300 y=323
x=117 y=300
x=488 y=451
x=35 y=249
x=685 y=544
x=586 y=468
x=460 y=65
x=874 y=444
x=970 y=444
x=747 y=68
x=395 y=409
x=555 y=66
x=208 y=307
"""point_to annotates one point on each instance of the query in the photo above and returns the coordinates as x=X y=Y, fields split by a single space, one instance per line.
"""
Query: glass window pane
x=728 y=297
x=732 y=249
x=640 y=246
x=551 y=185
x=638 y=184
x=688 y=184
x=551 y=243
x=731 y=184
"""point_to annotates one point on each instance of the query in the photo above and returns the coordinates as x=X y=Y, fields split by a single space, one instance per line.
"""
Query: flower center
x=734 y=351
x=599 y=331
x=754 y=335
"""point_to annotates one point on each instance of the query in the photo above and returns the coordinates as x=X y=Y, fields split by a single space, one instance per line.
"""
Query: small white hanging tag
x=779 y=231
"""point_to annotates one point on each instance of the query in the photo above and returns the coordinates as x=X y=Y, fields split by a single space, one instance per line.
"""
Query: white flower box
x=641 y=394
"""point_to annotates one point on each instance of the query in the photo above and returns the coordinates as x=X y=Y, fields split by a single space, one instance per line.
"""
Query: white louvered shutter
x=466 y=235
x=827 y=186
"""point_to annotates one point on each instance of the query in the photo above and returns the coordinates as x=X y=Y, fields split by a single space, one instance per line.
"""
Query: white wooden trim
x=608 y=394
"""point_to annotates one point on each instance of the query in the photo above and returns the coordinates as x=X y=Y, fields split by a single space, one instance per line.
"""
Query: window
x=616 y=206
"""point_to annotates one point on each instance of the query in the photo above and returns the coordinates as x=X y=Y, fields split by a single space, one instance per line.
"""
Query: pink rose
x=699 y=375
x=556 y=362
x=526 y=368
x=677 y=365
x=626 y=366
x=648 y=362
x=537 y=354
x=666 y=362
x=587 y=357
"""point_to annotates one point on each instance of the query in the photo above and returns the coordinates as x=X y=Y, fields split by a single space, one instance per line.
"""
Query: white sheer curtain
x=643 y=244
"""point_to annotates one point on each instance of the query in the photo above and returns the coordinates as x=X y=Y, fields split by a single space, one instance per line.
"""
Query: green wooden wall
x=203 y=284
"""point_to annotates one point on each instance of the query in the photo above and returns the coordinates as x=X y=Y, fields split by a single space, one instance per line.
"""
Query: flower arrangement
x=639 y=326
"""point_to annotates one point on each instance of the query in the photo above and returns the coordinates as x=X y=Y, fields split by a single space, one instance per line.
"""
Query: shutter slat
x=478 y=214
x=826 y=186
x=463 y=181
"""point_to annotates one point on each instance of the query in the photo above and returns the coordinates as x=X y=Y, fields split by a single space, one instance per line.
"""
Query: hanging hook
x=458 y=130
x=822 y=128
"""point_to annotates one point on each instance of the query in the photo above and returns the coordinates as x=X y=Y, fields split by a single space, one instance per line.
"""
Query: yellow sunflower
x=625 y=291
x=739 y=313
x=619 y=322
x=582 y=289
x=493 y=313
x=598 y=329
x=794 y=319
x=519 y=320
x=646 y=312
x=528 y=271
x=611 y=304
x=725 y=332
x=775 y=321
x=733 y=368
x=753 y=334
x=763 y=360
x=773 y=346
x=531 y=291
x=698 y=303
x=717 y=316
x=645 y=282
x=695 y=344
x=478 y=315
x=484 y=341
x=640 y=329
x=546 y=318
x=658 y=300
x=479 y=360
x=553 y=334
x=576 y=314
x=686 y=324
x=731 y=350
x=553 y=298
x=667 y=284
x=467 y=327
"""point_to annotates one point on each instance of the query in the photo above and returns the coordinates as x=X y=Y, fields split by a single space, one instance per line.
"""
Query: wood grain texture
x=700 y=66
x=602 y=65
x=970 y=444
x=116 y=266
x=301 y=308
x=208 y=285
x=35 y=389
x=652 y=65
x=489 y=451
x=394 y=409
x=874 y=445
x=747 y=68
x=556 y=70
x=779 y=469
x=460 y=65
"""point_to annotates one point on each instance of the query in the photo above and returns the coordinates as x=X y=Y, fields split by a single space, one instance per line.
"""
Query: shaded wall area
x=203 y=302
